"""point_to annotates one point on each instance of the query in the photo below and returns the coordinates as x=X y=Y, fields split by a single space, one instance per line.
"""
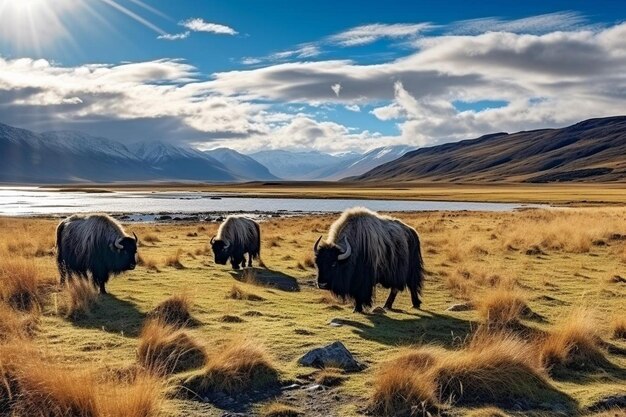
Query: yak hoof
x=417 y=307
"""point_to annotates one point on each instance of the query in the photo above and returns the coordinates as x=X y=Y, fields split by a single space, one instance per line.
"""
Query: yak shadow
x=420 y=327
x=267 y=278
x=112 y=315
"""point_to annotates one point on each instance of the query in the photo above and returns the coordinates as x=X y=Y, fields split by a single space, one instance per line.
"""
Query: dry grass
x=277 y=409
x=487 y=412
x=32 y=386
x=501 y=307
x=618 y=327
x=561 y=231
x=78 y=298
x=173 y=261
x=238 y=293
x=239 y=365
x=164 y=350
x=15 y=324
x=149 y=263
x=329 y=377
x=573 y=343
x=249 y=276
x=150 y=238
x=174 y=311
x=19 y=282
x=495 y=369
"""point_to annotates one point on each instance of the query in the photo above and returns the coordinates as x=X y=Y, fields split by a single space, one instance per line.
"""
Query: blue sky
x=328 y=75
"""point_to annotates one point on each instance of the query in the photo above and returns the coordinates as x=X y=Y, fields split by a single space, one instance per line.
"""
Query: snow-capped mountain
x=63 y=157
x=371 y=160
x=242 y=165
x=298 y=165
x=321 y=166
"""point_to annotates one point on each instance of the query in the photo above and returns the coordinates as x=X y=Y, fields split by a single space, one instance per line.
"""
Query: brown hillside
x=590 y=151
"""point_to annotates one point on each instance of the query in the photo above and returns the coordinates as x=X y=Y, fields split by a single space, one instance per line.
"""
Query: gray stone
x=606 y=403
x=460 y=307
x=335 y=323
x=335 y=354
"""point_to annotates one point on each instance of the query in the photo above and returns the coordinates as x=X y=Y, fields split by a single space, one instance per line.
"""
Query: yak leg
x=391 y=299
x=415 y=299
x=100 y=279
x=235 y=263
x=358 y=307
x=249 y=259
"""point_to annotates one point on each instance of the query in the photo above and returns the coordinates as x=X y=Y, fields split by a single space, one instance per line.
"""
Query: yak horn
x=212 y=240
x=346 y=252
x=317 y=244
x=136 y=238
x=226 y=243
x=118 y=243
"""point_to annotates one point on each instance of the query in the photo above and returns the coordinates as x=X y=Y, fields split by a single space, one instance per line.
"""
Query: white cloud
x=175 y=36
x=544 y=23
x=546 y=79
x=199 y=25
x=363 y=35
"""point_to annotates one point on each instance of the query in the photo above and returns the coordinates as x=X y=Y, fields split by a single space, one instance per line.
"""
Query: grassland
x=539 y=331
x=556 y=193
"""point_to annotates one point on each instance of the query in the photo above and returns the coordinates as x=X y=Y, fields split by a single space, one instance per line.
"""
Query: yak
x=95 y=244
x=237 y=236
x=364 y=249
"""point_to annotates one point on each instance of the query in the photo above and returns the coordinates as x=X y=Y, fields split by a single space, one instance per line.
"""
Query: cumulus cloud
x=546 y=80
x=199 y=25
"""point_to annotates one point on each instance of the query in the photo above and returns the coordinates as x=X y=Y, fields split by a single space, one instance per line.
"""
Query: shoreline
x=582 y=195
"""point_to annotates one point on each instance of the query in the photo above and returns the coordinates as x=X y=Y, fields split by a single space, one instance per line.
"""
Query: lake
x=29 y=201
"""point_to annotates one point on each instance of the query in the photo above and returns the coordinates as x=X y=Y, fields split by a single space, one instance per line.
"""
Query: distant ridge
x=593 y=150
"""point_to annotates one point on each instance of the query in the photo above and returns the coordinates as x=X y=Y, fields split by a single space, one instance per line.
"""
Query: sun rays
x=35 y=25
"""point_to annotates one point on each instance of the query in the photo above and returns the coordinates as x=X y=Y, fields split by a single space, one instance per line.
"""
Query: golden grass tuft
x=174 y=311
x=173 y=261
x=164 y=349
x=78 y=298
x=148 y=263
x=618 y=327
x=239 y=365
x=31 y=386
x=487 y=412
x=150 y=238
x=238 y=293
x=19 y=282
x=15 y=324
x=501 y=307
x=329 y=377
x=249 y=276
x=573 y=343
x=492 y=369
x=277 y=409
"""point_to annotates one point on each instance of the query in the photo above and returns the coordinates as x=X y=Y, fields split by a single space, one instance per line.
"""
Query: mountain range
x=593 y=150
x=68 y=156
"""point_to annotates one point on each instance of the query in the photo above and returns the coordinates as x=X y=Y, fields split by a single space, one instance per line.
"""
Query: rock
x=336 y=323
x=335 y=354
x=606 y=403
x=460 y=307
x=379 y=310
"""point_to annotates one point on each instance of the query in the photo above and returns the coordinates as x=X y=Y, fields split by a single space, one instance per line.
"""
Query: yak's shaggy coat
x=86 y=243
x=236 y=236
x=384 y=250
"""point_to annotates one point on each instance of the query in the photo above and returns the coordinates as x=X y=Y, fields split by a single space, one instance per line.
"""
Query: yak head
x=125 y=251
x=222 y=250
x=332 y=265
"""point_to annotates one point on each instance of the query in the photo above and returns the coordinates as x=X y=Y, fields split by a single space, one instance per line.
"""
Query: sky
x=333 y=76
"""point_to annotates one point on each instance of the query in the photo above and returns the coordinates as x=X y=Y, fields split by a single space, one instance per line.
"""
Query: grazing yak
x=364 y=249
x=235 y=237
x=94 y=243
